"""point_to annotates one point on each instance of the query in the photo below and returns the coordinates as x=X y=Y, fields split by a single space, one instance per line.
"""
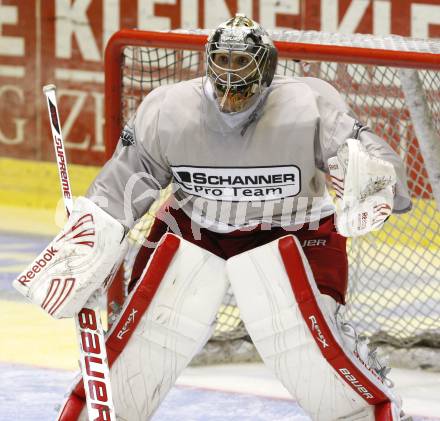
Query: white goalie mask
x=240 y=63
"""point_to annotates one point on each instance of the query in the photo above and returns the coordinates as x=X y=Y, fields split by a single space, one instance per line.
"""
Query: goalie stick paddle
x=90 y=334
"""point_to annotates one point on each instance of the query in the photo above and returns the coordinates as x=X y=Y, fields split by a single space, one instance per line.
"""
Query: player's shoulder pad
x=154 y=98
x=150 y=108
x=325 y=91
x=171 y=93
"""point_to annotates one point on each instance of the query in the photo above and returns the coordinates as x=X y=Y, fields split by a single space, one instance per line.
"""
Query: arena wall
x=63 y=42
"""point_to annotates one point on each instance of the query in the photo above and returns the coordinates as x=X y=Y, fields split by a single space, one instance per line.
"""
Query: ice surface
x=245 y=392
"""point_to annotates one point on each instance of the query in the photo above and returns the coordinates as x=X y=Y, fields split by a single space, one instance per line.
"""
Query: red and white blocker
x=296 y=333
x=166 y=320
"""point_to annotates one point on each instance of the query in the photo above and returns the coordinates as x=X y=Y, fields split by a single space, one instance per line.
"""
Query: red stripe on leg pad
x=319 y=328
x=383 y=412
x=145 y=292
x=72 y=408
x=133 y=311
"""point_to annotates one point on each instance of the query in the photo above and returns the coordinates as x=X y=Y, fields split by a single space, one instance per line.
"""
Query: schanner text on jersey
x=239 y=184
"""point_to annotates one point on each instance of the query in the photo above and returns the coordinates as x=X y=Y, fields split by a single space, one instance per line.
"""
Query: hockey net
x=393 y=85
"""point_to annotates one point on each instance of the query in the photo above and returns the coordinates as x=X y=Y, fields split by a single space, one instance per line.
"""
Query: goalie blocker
x=79 y=261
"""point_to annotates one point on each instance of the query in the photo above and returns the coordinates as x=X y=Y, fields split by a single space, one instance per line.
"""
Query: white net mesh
x=394 y=291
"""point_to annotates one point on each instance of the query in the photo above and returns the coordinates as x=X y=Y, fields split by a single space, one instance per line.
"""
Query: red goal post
x=367 y=71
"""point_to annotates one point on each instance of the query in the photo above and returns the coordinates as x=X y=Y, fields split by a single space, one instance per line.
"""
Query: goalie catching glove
x=80 y=260
x=364 y=189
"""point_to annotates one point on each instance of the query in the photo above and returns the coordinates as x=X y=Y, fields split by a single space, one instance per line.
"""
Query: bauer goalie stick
x=90 y=335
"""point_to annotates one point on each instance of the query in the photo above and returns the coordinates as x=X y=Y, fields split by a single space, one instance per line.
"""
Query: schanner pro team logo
x=239 y=184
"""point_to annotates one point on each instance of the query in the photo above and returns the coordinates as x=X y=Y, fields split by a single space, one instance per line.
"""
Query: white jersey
x=265 y=165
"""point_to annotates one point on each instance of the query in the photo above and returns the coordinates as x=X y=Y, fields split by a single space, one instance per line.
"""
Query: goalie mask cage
x=393 y=85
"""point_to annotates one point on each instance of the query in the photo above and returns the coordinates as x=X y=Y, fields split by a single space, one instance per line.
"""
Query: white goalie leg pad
x=297 y=336
x=166 y=320
x=80 y=260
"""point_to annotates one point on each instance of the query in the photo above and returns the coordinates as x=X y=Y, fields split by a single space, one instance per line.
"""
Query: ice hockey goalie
x=247 y=153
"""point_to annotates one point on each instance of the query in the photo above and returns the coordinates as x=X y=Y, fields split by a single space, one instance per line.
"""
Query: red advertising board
x=63 y=41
